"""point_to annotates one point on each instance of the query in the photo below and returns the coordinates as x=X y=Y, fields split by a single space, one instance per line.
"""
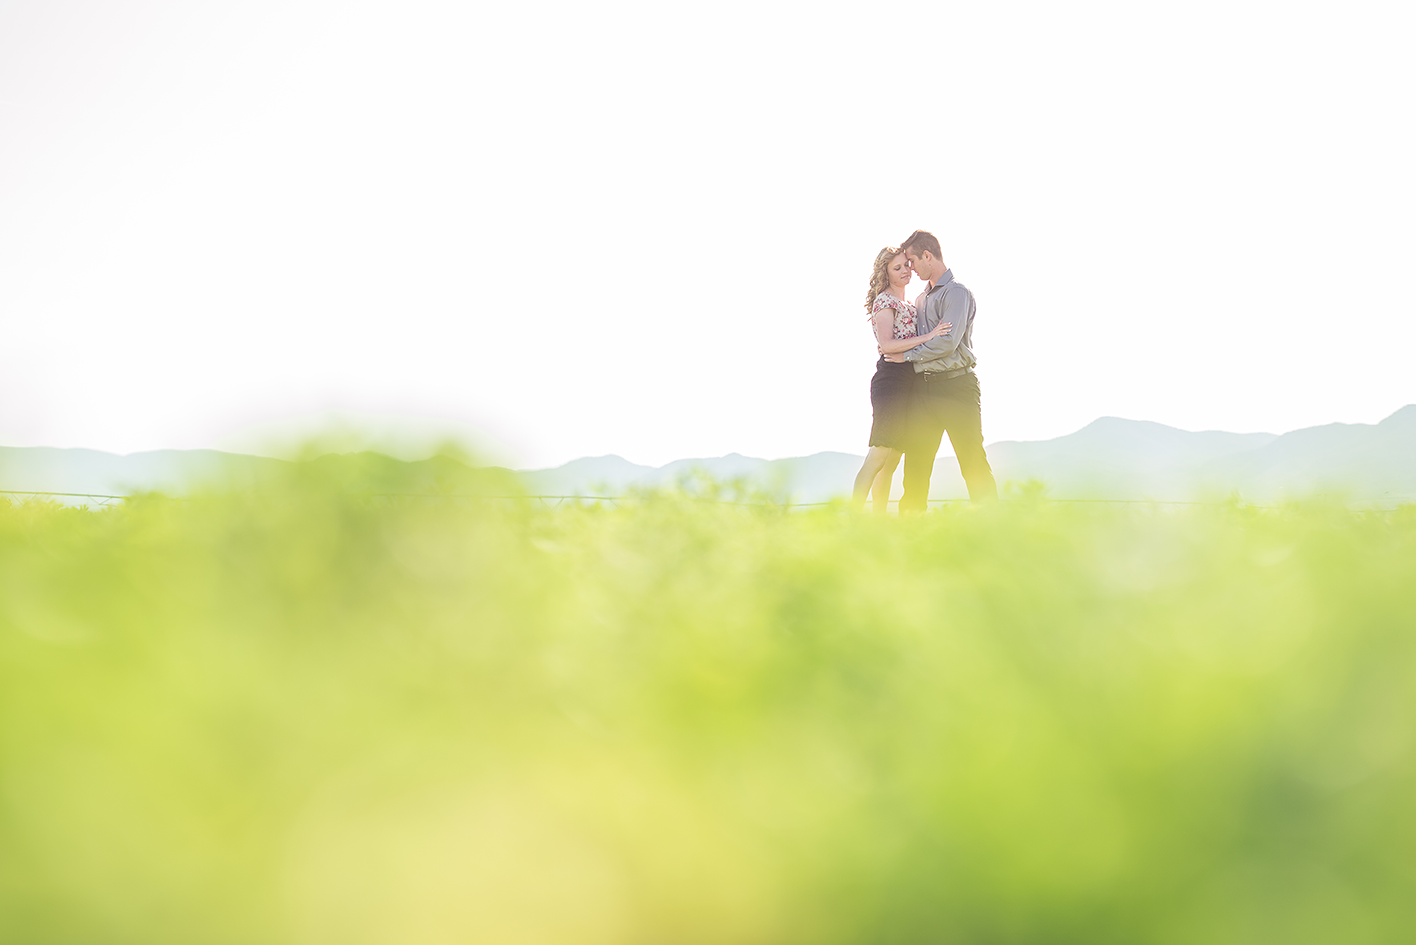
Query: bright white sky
x=646 y=229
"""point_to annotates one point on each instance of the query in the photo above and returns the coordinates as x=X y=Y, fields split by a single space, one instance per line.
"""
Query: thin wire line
x=620 y=498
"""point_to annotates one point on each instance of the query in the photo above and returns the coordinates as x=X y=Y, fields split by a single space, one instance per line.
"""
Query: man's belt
x=945 y=375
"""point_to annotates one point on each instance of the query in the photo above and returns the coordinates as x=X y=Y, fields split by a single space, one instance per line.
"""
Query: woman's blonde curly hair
x=880 y=275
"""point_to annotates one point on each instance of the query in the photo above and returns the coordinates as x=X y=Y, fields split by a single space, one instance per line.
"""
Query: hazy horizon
x=1109 y=459
x=414 y=449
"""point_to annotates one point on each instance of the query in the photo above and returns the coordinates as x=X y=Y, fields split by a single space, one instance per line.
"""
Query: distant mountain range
x=1130 y=459
x=1110 y=458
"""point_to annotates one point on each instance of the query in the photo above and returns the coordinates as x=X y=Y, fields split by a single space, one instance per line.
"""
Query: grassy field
x=307 y=718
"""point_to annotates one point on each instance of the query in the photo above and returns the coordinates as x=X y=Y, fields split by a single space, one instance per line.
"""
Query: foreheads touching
x=922 y=251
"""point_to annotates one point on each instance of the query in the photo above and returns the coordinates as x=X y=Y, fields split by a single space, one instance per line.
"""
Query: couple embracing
x=924 y=384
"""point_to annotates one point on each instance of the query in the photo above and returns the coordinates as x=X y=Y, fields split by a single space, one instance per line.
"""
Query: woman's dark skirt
x=892 y=396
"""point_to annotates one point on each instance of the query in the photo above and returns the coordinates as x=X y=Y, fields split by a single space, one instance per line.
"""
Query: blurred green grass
x=308 y=717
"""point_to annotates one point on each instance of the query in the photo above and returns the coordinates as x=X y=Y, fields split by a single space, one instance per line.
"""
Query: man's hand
x=898 y=357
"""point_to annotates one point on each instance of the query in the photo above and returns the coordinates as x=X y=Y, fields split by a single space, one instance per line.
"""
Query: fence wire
x=558 y=501
x=103 y=500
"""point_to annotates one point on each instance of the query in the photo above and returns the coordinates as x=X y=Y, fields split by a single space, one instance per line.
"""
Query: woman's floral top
x=904 y=314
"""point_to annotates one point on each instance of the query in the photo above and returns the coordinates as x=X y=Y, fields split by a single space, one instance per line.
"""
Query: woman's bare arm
x=885 y=327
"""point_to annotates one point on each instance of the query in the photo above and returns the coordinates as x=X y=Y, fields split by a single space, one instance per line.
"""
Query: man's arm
x=890 y=345
x=955 y=311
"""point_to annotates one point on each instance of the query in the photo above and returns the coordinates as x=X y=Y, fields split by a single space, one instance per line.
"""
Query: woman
x=892 y=388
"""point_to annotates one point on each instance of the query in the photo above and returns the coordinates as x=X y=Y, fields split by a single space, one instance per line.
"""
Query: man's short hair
x=921 y=242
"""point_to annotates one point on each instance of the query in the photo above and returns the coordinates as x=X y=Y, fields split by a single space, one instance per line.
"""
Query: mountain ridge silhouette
x=1109 y=458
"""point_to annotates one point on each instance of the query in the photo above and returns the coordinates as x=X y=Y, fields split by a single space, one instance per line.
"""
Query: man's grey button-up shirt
x=945 y=301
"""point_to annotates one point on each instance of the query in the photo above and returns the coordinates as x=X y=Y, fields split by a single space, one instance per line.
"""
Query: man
x=948 y=395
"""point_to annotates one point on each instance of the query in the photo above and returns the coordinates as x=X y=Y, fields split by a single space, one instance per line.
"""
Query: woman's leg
x=875 y=460
x=885 y=478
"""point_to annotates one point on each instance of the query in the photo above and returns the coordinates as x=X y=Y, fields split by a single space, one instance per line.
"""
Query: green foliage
x=301 y=717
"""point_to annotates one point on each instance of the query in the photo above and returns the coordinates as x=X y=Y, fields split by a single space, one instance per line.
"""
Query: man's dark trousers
x=947 y=404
